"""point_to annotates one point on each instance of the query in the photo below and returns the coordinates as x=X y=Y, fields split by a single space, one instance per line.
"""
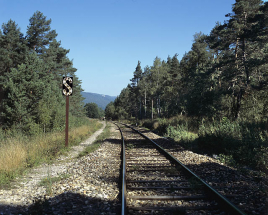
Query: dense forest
x=219 y=89
x=31 y=71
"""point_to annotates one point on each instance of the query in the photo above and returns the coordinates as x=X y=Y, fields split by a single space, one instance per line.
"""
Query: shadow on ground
x=66 y=203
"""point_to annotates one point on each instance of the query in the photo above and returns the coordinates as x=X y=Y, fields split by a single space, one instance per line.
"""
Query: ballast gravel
x=247 y=192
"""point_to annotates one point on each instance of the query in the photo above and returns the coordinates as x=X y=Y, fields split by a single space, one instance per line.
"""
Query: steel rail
x=123 y=196
x=225 y=203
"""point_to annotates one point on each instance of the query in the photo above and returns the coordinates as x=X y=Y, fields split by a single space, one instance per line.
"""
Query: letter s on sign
x=67 y=87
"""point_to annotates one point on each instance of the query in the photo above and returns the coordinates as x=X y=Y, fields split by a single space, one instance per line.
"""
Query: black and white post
x=67 y=90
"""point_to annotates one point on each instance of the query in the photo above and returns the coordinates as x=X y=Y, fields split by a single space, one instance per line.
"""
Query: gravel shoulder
x=82 y=183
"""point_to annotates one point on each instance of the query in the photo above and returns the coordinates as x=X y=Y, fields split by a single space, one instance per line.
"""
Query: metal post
x=67 y=121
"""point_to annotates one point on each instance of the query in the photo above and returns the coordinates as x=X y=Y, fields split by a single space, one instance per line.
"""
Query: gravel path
x=28 y=197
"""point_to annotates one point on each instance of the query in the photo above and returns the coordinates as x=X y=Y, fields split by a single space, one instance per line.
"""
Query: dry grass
x=13 y=155
x=17 y=154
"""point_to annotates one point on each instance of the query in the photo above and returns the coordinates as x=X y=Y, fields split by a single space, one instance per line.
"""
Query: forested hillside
x=219 y=88
x=100 y=100
x=31 y=71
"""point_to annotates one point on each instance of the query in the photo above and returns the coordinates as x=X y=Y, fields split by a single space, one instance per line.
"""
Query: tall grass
x=21 y=152
x=12 y=155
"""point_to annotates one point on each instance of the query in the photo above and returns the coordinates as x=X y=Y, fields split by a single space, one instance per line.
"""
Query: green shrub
x=162 y=126
x=181 y=133
x=147 y=124
x=227 y=159
x=242 y=143
x=262 y=158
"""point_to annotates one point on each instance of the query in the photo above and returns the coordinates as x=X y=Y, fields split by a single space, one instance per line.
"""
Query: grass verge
x=17 y=154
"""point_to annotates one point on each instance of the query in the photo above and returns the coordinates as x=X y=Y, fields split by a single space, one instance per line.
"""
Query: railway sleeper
x=156 y=181
x=156 y=188
x=138 y=169
x=174 y=208
x=164 y=198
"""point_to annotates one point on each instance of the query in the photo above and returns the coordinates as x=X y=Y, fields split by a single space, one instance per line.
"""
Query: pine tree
x=195 y=82
x=54 y=58
x=24 y=90
x=42 y=39
x=137 y=75
x=12 y=47
x=135 y=89
x=241 y=28
x=156 y=76
x=12 y=53
x=39 y=33
x=144 y=88
x=172 y=84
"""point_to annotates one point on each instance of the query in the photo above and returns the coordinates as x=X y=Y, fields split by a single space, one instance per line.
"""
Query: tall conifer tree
x=39 y=33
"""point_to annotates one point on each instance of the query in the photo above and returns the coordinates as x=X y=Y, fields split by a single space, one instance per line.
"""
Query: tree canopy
x=93 y=111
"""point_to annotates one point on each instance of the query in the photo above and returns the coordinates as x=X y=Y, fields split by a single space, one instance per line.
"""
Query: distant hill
x=100 y=100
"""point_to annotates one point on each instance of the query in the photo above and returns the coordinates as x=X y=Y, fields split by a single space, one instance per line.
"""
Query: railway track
x=154 y=182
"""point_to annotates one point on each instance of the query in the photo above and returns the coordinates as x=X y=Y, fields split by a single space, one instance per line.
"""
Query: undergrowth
x=241 y=143
x=236 y=143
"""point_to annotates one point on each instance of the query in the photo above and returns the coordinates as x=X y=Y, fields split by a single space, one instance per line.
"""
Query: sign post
x=67 y=121
x=67 y=90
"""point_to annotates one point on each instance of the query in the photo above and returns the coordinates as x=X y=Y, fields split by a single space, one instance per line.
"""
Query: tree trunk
x=145 y=105
x=244 y=61
x=140 y=108
x=152 y=109
x=244 y=54
x=159 y=107
x=238 y=104
x=236 y=51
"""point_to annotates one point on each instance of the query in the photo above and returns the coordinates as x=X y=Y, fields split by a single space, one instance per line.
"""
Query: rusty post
x=67 y=121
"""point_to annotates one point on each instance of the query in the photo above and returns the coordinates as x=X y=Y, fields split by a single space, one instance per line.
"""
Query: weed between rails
x=17 y=155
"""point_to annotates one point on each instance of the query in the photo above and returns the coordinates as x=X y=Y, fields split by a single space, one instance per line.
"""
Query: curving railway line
x=155 y=182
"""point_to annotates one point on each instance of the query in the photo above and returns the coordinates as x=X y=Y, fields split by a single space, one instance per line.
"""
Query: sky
x=107 y=38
